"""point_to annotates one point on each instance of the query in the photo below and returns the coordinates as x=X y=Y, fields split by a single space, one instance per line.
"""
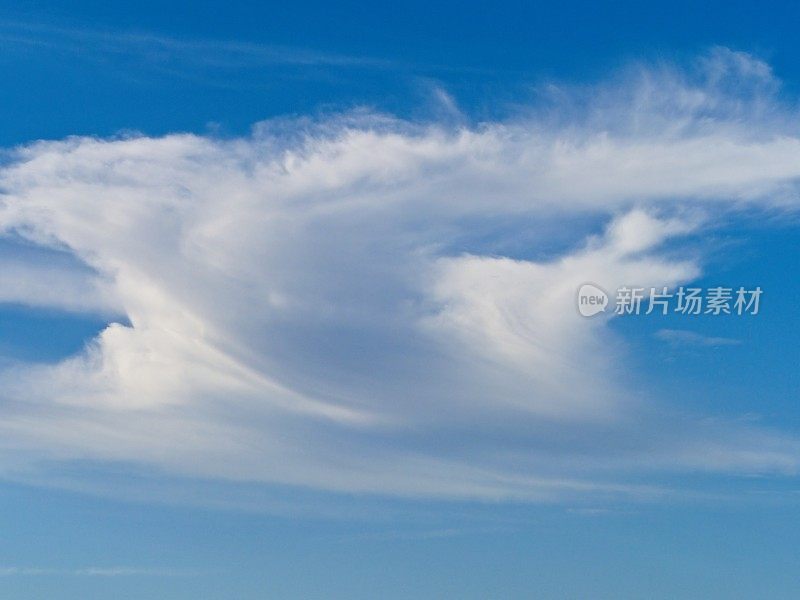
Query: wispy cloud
x=427 y=534
x=682 y=337
x=322 y=304
x=209 y=60
x=90 y=572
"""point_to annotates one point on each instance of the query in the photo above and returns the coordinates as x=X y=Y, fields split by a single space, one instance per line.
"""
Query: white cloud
x=175 y=56
x=682 y=337
x=88 y=572
x=322 y=305
x=521 y=316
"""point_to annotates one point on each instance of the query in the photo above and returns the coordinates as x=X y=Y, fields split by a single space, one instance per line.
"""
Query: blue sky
x=288 y=300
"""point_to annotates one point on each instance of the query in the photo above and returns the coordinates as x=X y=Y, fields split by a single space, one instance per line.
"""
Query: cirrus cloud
x=327 y=304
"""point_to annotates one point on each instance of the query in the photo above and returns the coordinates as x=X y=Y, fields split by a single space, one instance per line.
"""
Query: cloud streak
x=196 y=59
x=680 y=337
x=87 y=572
